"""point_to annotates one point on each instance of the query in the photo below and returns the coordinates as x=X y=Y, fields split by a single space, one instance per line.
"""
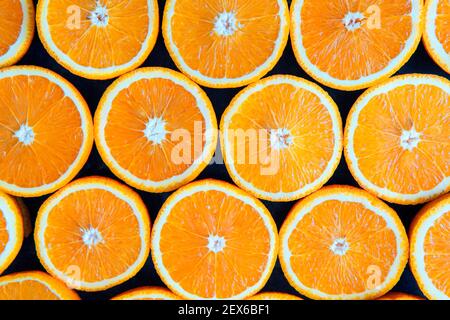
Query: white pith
x=187 y=192
x=91 y=237
x=155 y=130
x=340 y=246
x=226 y=24
x=351 y=20
x=352 y=124
x=99 y=16
x=280 y=138
x=430 y=30
x=85 y=119
x=69 y=280
x=409 y=140
x=25 y=135
x=29 y=278
x=286 y=254
x=216 y=243
x=12 y=222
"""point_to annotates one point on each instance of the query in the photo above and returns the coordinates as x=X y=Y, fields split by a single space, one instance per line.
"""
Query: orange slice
x=343 y=243
x=281 y=138
x=351 y=45
x=147 y=293
x=396 y=145
x=93 y=234
x=34 y=285
x=155 y=129
x=225 y=44
x=212 y=240
x=430 y=249
x=17 y=30
x=274 y=296
x=46 y=131
x=11 y=230
x=99 y=39
x=399 y=296
x=437 y=32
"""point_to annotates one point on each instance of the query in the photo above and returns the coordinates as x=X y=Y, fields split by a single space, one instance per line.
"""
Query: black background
x=92 y=92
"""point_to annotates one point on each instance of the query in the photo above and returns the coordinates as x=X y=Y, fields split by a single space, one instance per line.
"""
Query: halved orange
x=399 y=296
x=212 y=240
x=281 y=138
x=155 y=129
x=343 y=243
x=34 y=285
x=17 y=30
x=225 y=44
x=437 y=32
x=397 y=139
x=46 y=131
x=147 y=293
x=98 y=39
x=274 y=296
x=430 y=249
x=351 y=45
x=11 y=230
x=93 y=234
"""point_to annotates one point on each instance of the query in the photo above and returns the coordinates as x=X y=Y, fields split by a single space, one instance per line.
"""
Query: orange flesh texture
x=55 y=121
x=11 y=16
x=274 y=296
x=219 y=56
x=4 y=235
x=147 y=294
x=370 y=241
x=26 y=290
x=310 y=125
x=112 y=217
x=377 y=139
x=184 y=241
x=443 y=24
x=350 y=55
x=130 y=113
x=100 y=46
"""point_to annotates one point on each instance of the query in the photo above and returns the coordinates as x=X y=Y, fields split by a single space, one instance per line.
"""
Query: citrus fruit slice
x=343 y=243
x=212 y=240
x=351 y=45
x=437 y=32
x=274 y=296
x=155 y=129
x=98 y=39
x=147 y=293
x=225 y=44
x=93 y=234
x=46 y=131
x=34 y=285
x=396 y=145
x=11 y=230
x=399 y=296
x=430 y=249
x=281 y=138
x=17 y=30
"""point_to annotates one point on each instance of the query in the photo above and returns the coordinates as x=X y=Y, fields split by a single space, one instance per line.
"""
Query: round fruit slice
x=351 y=45
x=399 y=296
x=46 y=131
x=343 y=243
x=212 y=240
x=430 y=249
x=226 y=44
x=98 y=39
x=17 y=30
x=11 y=230
x=274 y=296
x=282 y=138
x=437 y=32
x=93 y=234
x=397 y=139
x=155 y=129
x=147 y=293
x=34 y=285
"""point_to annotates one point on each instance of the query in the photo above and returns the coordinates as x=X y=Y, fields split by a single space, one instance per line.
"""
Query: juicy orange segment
x=34 y=285
x=281 y=138
x=430 y=249
x=226 y=43
x=352 y=45
x=147 y=293
x=98 y=39
x=11 y=230
x=156 y=129
x=343 y=243
x=46 y=131
x=93 y=234
x=213 y=241
x=437 y=32
x=17 y=30
x=396 y=146
x=399 y=296
x=274 y=296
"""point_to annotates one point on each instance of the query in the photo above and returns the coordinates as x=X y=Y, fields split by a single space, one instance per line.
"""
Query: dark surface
x=93 y=90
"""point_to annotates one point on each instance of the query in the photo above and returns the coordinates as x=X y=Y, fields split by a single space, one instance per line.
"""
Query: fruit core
x=280 y=138
x=91 y=237
x=155 y=130
x=25 y=134
x=410 y=139
x=340 y=246
x=216 y=243
x=226 y=24
x=353 y=20
x=99 y=17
